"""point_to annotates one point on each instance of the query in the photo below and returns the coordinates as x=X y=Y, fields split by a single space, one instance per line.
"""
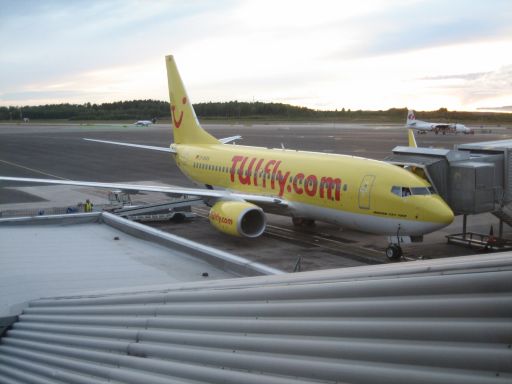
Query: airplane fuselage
x=424 y=126
x=143 y=123
x=349 y=191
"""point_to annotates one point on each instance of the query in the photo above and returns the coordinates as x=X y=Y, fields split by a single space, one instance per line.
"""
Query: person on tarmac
x=88 y=206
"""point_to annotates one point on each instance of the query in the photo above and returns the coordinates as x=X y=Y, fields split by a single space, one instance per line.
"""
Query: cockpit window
x=420 y=191
x=416 y=191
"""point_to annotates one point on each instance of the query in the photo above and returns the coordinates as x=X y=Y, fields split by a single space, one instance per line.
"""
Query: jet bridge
x=472 y=178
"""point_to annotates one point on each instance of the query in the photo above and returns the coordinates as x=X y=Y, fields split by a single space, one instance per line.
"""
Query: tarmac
x=58 y=151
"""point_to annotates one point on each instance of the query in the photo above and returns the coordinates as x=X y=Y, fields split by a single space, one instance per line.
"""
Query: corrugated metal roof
x=436 y=321
x=63 y=254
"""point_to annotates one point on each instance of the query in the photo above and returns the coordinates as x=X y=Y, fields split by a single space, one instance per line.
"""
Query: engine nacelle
x=238 y=218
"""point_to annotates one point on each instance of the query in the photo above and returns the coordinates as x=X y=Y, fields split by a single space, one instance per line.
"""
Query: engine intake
x=238 y=218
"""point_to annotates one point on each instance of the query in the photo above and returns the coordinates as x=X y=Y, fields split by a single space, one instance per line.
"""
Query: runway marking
x=32 y=169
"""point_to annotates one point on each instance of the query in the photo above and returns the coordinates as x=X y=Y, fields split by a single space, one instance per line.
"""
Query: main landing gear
x=394 y=252
x=302 y=222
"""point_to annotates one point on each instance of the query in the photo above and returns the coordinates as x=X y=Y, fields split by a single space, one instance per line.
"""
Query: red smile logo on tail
x=177 y=122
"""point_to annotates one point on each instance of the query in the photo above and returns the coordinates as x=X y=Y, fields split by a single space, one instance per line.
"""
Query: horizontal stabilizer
x=230 y=139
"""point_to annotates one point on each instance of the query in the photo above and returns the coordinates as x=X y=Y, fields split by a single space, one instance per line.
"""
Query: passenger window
x=396 y=190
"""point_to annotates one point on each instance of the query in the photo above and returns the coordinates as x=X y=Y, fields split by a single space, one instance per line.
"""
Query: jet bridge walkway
x=472 y=178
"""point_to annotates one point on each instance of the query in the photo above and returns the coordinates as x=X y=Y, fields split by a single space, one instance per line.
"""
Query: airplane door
x=365 y=191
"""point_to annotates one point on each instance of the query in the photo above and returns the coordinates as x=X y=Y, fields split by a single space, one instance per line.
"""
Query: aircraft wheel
x=298 y=221
x=393 y=252
x=309 y=222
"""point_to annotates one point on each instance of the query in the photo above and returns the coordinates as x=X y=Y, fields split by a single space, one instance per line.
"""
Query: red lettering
x=298 y=180
x=311 y=185
x=258 y=166
x=271 y=170
x=330 y=184
x=245 y=178
x=214 y=216
x=282 y=179
x=274 y=175
x=235 y=161
x=267 y=172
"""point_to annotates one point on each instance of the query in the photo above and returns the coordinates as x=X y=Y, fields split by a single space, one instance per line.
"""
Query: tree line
x=235 y=110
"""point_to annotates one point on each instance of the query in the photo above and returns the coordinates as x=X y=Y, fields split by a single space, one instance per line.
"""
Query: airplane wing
x=269 y=201
x=163 y=149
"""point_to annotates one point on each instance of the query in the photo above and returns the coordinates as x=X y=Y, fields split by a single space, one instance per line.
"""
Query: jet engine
x=238 y=218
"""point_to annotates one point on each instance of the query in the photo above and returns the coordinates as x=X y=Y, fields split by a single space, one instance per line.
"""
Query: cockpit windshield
x=420 y=191
x=412 y=191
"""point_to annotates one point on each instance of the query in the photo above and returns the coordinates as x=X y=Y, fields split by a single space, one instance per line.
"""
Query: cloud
x=475 y=88
x=325 y=54
x=49 y=40
x=460 y=76
x=506 y=108
x=419 y=25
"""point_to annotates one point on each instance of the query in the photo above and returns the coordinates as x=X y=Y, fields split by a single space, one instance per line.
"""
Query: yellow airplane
x=242 y=182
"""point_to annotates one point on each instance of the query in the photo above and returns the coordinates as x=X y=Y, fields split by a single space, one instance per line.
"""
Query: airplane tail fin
x=411 y=117
x=412 y=139
x=186 y=127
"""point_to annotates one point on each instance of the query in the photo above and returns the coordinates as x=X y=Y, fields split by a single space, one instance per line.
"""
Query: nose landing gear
x=394 y=250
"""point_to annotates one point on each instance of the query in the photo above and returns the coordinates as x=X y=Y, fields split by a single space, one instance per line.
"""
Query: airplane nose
x=440 y=212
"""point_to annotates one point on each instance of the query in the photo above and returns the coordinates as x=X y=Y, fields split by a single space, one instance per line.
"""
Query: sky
x=322 y=54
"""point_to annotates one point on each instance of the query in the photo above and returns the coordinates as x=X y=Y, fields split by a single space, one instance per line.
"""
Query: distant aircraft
x=144 y=123
x=242 y=182
x=425 y=126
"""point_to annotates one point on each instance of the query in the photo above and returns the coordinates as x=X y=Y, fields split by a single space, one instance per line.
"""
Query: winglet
x=412 y=139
